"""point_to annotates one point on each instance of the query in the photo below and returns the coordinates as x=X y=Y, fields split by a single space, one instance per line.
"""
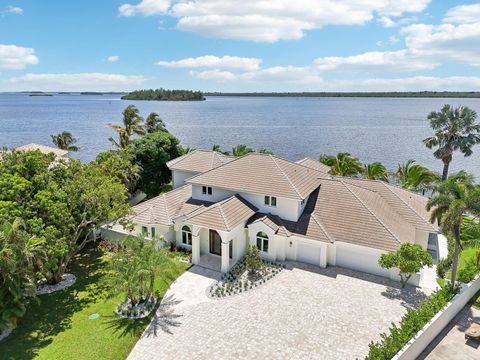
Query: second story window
x=206 y=190
x=271 y=201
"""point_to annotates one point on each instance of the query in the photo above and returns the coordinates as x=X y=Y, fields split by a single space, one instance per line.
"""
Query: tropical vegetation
x=65 y=141
x=398 y=335
x=20 y=254
x=415 y=177
x=132 y=272
x=132 y=125
x=455 y=129
x=164 y=94
x=375 y=171
x=451 y=200
x=78 y=323
x=342 y=164
x=408 y=259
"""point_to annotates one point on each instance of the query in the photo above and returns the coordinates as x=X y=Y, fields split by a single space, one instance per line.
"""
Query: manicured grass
x=58 y=326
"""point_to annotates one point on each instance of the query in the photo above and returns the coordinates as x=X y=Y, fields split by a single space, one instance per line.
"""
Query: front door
x=215 y=243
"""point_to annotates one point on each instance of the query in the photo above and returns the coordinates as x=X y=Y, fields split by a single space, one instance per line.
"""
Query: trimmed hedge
x=410 y=324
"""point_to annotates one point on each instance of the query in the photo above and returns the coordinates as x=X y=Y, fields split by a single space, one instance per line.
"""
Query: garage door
x=356 y=259
x=309 y=254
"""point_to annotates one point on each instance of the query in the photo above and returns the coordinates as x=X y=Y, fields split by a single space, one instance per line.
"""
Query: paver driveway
x=303 y=313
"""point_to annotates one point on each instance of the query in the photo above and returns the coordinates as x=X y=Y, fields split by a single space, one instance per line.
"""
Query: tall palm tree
x=375 y=171
x=154 y=123
x=455 y=129
x=415 y=177
x=65 y=141
x=342 y=164
x=132 y=125
x=241 y=149
x=452 y=199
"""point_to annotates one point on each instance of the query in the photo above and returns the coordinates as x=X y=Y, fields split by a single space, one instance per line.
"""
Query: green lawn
x=58 y=326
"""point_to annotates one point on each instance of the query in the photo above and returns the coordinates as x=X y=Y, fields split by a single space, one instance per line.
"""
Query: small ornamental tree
x=253 y=260
x=409 y=259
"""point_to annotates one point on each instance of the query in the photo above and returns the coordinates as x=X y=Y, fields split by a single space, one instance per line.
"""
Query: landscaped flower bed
x=138 y=311
x=239 y=279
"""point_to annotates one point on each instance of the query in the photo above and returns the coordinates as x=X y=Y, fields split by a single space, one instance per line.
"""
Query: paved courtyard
x=303 y=313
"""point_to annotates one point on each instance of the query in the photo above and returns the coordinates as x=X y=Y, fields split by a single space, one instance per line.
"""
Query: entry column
x=196 y=249
x=225 y=257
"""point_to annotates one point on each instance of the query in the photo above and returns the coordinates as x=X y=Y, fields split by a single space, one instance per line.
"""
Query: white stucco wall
x=288 y=209
x=421 y=238
x=179 y=177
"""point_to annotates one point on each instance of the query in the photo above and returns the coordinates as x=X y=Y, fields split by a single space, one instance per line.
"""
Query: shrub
x=253 y=260
x=410 y=324
x=468 y=272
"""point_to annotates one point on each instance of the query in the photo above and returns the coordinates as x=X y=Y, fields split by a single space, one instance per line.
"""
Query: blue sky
x=259 y=45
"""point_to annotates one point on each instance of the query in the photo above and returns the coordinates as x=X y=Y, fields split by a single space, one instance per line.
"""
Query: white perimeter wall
x=426 y=335
x=287 y=209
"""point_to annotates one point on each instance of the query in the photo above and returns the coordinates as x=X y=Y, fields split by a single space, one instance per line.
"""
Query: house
x=59 y=153
x=289 y=210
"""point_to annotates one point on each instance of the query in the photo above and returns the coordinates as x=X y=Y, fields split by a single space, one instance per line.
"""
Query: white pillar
x=225 y=257
x=195 y=249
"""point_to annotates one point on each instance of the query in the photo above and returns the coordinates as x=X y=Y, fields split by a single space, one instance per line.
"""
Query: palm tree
x=453 y=198
x=415 y=177
x=65 y=141
x=342 y=164
x=375 y=171
x=153 y=123
x=217 y=148
x=241 y=150
x=132 y=125
x=455 y=129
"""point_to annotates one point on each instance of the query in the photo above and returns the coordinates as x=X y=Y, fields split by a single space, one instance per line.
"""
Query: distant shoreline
x=420 y=94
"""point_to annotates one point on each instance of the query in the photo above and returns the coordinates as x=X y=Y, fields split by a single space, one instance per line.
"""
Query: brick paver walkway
x=303 y=313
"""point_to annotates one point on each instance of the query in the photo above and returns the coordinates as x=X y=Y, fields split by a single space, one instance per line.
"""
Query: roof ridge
x=227 y=225
x=371 y=212
x=321 y=226
x=286 y=176
x=408 y=205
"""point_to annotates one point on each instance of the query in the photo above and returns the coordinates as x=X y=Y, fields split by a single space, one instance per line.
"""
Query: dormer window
x=206 y=190
x=271 y=201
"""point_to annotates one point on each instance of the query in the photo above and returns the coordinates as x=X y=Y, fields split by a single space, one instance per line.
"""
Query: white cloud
x=145 y=7
x=14 y=10
x=401 y=60
x=211 y=61
x=463 y=14
x=270 y=21
x=113 y=58
x=393 y=40
x=449 y=42
x=16 y=57
x=414 y=83
x=73 y=82
x=387 y=22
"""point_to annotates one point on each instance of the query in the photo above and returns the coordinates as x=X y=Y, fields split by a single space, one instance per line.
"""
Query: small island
x=39 y=93
x=164 y=95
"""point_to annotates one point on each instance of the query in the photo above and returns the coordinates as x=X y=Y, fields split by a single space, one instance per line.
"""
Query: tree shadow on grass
x=163 y=319
x=52 y=313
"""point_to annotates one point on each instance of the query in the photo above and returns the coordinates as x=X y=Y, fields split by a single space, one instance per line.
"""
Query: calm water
x=389 y=130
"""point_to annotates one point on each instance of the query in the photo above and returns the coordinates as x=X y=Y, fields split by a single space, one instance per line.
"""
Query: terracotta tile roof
x=43 y=148
x=262 y=174
x=199 y=161
x=411 y=206
x=164 y=208
x=224 y=215
x=356 y=215
x=314 y=164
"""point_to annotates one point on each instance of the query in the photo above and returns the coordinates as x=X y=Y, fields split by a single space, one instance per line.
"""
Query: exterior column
x=225 y=257
x=195 y=249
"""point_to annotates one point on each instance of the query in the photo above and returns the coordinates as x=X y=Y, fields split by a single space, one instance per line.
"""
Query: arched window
x=186 y=235
x=262 y=241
